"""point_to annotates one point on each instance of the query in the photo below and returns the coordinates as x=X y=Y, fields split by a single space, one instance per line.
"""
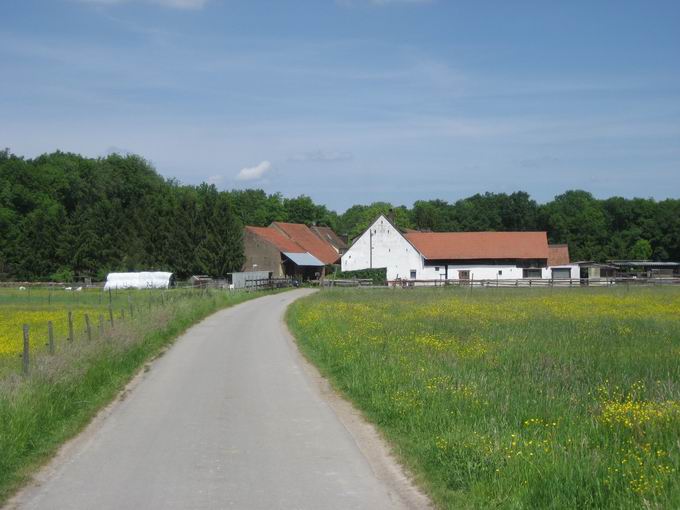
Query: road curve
x=229 y=417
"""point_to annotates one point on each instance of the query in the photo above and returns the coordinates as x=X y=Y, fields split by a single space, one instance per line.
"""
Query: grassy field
x=64 y=390
x=513 y=398
x=35 y=307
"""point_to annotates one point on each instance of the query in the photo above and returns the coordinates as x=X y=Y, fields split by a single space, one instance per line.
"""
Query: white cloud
x=252 y=173
x=173 y=4
x=320 y=156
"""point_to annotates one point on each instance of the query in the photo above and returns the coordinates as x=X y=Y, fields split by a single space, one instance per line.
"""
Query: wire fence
x=94 y=322
x=42 y=319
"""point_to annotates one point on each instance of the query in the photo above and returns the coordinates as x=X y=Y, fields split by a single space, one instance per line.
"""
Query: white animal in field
x=22 y=288
x=79 y=289
x=68 y=288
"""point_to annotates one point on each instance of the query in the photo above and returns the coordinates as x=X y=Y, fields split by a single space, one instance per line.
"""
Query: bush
x=377 y=276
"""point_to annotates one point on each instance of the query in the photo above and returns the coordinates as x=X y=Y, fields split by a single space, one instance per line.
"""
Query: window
x=463 y=275
x=436 y=268
x=531 y=273
x=500 y=272
x=413 y=274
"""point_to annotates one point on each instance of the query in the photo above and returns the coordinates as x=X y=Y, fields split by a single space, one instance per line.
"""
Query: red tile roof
x=327 y=235
x=303 y=236
x=480 y=245
x=273 y=236
x=558 y=254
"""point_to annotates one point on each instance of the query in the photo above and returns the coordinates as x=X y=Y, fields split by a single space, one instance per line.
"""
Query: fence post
x=25 y=360
x=101 y=325
x=88 y=328
x=122 y=314
x=70 y=327
x=50 y=337
x=132 y=313
x=111 y=313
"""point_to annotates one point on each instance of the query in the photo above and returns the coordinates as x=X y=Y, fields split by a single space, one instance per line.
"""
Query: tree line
x=63 y=215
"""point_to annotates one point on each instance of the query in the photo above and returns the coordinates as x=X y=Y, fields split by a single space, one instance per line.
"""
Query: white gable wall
x=390 y=250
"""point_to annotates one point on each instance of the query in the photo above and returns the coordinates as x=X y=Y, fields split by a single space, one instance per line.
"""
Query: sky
x=354 y=101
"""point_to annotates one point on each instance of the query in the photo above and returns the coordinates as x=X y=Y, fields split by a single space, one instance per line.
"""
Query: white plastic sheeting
x=142 y=280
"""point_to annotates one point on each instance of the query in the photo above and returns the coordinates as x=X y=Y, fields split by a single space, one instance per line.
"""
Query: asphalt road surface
x=229 y=417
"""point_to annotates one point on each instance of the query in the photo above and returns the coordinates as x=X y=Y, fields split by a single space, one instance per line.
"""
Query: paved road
x=227 y=418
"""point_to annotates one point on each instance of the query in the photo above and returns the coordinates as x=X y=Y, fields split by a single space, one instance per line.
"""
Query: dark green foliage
x=615 y=228
x=641 y=250
x=303 y=210
x=378 y=275
x=63 y=214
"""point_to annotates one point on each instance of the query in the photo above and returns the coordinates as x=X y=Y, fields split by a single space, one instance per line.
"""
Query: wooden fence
x=538 y=282
x=353 y=282
x=269 y=283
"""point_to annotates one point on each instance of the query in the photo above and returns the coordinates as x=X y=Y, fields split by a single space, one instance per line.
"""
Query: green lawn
x=513 y=398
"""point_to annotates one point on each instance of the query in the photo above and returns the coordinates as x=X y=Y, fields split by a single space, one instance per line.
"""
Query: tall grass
x=64 y=391
x=513 y=398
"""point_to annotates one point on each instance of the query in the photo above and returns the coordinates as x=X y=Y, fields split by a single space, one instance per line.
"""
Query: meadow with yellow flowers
x=513 y=398
x=37 y=306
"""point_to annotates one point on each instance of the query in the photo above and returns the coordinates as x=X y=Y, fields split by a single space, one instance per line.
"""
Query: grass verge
x=64 y=391
x=512 y=398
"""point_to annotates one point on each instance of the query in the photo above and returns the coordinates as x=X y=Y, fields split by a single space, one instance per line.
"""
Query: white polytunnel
x=141 y=280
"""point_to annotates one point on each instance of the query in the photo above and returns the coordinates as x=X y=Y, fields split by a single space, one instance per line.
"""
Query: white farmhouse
x=456 y=255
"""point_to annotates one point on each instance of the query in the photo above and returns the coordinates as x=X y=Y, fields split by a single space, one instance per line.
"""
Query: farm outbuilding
x=248 y=279
x=287 y=249
x=327 y=235
x=141 y=280
x=646 y=268
x=413 y=255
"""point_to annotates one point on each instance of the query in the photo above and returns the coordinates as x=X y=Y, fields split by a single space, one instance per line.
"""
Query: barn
x=328 y=235
x=287 y=249
x=455 y=255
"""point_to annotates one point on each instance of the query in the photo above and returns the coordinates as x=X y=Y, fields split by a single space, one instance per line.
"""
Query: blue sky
x=353 y=101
